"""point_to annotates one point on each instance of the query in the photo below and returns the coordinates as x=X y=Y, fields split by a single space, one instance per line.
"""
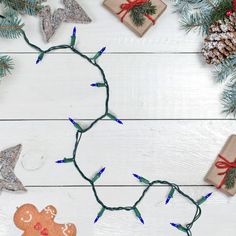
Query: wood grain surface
x=173 y=126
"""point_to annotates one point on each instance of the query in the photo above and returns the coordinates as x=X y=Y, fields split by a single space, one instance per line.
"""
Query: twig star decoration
x=8 y=179
x=72 y=13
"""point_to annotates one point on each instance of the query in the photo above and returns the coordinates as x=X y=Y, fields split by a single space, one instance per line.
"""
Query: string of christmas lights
x=80 y=131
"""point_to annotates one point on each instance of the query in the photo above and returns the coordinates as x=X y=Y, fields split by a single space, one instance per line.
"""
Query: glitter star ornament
x=8 y=160
x=72 y=13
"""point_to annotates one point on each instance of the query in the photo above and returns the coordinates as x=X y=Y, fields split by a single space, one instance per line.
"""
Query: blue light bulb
x=38 y=60
x=102 y=50
x=72 y=121
x=40 y=57
x=171 y=193
x=208 y=195
x=119 y=121
x=168 y=199
x=175 y=225
x=137 y=176
x=102 y=170
x=99 y=53
x=141 y=219
x=96 y=220
x=179 y=227
x=60 y=161
x=99 y=215
x=74 y=31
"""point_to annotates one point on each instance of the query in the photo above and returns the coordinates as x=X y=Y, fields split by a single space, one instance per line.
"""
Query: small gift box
x=223 y=172
x=138 y=15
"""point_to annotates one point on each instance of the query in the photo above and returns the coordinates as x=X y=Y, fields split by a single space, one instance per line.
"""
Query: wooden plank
x=106 y=30
x=142 y=87
x=77 y=205
x=177 y=151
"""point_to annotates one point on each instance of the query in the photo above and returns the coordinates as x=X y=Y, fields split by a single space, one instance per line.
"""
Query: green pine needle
x=224 y=71
x=197 y=21
x=230 y=178
x=200 y=14
x=138 y=13
x=229 y=99
x=30 y=7
x=6 y=65
x=10 y=13
x=10 y=27
x=220 y=10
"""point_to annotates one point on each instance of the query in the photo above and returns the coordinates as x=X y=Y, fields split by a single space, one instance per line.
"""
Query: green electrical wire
x=80 y=131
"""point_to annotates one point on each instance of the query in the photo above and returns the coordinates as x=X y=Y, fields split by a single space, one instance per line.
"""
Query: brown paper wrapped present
x=138 y=15
x=223 y=172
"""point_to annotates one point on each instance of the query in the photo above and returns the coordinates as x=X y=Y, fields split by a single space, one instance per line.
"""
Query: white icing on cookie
x=64 y=230
x=48 y=210
x=29 y=220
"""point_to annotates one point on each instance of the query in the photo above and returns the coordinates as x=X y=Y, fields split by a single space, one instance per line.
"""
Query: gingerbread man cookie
x=35 y=223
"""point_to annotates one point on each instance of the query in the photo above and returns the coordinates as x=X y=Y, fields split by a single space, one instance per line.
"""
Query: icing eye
x=27 y=212
x=22 y=218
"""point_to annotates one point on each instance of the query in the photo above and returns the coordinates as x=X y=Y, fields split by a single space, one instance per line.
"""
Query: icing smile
x=28 y=220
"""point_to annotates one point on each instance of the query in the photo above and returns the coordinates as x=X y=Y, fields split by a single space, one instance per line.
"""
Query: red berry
x=229 y=13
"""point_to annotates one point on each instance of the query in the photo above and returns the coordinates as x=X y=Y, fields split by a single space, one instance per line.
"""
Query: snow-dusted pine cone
x=221 y=40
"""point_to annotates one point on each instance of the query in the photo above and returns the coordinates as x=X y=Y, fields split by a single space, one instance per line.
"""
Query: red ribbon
x=39 y=227
x=224 y=165
x=234 y=5
x=126 y=7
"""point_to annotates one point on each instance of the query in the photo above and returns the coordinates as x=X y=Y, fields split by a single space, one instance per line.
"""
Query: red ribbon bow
x=126 y=7
x=39 y=227
x=226 y=165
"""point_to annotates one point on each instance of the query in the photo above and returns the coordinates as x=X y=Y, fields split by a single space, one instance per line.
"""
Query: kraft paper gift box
x=120 y=8
x=225 y=167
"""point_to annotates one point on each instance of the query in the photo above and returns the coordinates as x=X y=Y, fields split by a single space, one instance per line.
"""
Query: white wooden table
x=173 y=127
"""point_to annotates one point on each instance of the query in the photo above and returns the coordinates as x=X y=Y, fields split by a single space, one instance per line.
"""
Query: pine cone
x=221 y=40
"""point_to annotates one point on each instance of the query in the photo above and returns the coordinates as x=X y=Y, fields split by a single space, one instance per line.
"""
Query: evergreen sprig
x=9 y=13
x=6 y=65
x=10 y=26
x=220 y=10
x=30 y=7
x=226 y=72
x=229 y=99
x=200 y=15
x=197 y=21
x=230 y=178
x=138 y=13
x=226 y=69
x=196 y=14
